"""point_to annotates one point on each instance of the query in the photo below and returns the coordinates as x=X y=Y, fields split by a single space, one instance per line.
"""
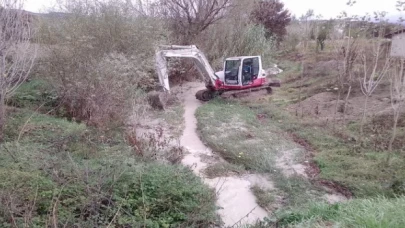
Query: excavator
x=242 y=74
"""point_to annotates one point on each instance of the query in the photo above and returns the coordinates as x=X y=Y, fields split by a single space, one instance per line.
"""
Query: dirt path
x=236 y=201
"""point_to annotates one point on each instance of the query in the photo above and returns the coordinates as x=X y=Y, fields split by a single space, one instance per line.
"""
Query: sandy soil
x=287 y=164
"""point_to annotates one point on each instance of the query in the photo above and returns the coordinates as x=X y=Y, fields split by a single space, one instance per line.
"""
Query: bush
x=100 y=93
x=163 y=196
x=64 y=173
x=98 y=55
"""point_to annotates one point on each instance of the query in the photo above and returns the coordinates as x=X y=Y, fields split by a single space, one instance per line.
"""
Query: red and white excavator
x=240 y=75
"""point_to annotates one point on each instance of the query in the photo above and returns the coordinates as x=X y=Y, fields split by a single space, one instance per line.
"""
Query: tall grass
x=371 y=213
x=66 y=174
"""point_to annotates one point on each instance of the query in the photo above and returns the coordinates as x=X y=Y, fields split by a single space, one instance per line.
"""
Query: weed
x=362 y=170
x=247 y=136
x=34 y=94
x=239 y=136
x=223 y=169
x=173 y=117
x=378 y=212
x=53 y=170
x=264 y=198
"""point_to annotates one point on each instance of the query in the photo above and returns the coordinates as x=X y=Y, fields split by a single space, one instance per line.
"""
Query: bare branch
x=189 y=18
x=17 y=53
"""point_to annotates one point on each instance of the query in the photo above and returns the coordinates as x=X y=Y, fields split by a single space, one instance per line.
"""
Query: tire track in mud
x=236 y=202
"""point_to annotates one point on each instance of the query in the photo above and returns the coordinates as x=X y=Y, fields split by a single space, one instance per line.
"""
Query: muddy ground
x=237 y=205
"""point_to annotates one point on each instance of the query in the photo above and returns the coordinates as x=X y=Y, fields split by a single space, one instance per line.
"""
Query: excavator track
x=207 y=94
x=238 y=93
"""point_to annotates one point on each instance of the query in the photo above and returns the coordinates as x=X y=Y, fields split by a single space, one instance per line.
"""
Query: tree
x=397 y=76
x=321 y=38
x=16 y=52
x=272 y=15
x=188 y=18
x=346 y=53
x=100 y=56
x=304 y=51
x=375 y=68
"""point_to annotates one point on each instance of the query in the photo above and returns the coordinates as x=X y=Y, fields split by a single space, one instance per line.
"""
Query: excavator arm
x=176 y=51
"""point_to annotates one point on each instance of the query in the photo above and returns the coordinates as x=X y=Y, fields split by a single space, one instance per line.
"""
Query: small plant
x=60 y=173
x=223 y=169
x=264 y=198
x=373 y=213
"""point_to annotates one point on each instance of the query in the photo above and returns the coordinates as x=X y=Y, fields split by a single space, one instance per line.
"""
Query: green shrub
x=98 y=56
x=164 y=196
x=73 y=175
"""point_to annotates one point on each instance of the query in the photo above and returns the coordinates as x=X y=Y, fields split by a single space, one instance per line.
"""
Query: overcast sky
x=327 y=8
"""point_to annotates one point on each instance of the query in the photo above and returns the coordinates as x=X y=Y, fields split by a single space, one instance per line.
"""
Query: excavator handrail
x=180 y=51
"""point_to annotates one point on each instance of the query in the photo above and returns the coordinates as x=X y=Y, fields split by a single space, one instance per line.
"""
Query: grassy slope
x=370 y=213
x=34 y=94
x=64 y=172
x=362 y=170
x=245 y=139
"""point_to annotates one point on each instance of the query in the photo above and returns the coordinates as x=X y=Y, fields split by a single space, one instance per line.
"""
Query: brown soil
x=323 y=106
x=336 y=187
x=302 y=142
x=312 y=170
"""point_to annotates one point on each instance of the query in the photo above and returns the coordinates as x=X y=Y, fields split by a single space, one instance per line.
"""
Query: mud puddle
x=237 y=204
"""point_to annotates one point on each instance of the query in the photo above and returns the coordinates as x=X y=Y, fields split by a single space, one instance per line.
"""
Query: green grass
x=363 y=170
x=79 y=176
x=368 y=213
x=263 y=198
x=236 y=132
x=247 y=137
x=253 y=135
x=173 y=116
x=223 y=169
x=33 y=94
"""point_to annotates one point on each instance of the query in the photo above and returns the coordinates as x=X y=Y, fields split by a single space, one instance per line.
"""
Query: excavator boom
x=177 y=51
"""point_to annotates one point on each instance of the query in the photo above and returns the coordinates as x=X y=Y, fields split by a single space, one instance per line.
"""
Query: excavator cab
x=242 y=71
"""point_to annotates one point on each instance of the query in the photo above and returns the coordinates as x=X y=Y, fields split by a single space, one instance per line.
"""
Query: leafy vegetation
x=57 y=172
x=34 y=94
x=223 y=169
x=264 y=198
